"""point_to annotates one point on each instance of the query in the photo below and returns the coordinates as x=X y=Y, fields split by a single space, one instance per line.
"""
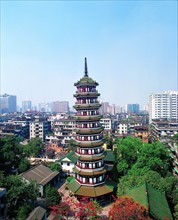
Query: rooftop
x=41 y=174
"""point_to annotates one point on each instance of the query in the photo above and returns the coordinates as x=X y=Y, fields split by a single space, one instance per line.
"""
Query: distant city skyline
x=131 y=48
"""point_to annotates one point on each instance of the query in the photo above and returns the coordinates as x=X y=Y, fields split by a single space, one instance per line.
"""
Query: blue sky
x=131 y=48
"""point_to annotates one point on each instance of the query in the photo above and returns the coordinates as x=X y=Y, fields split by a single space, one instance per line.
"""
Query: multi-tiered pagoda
x=90 y=173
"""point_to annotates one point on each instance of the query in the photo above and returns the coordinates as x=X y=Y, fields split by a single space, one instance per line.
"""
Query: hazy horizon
x=131 y=49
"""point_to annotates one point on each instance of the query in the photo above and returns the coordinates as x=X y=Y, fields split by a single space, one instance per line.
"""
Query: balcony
x=89 y=143
x=79 y=106
x=85 y=169
x=90 y=184
x=87 y=94
x=89 y=130
x=88 y=118
x=86 y=153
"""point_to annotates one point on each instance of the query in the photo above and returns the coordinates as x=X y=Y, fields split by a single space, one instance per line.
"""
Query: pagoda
x=90 y=173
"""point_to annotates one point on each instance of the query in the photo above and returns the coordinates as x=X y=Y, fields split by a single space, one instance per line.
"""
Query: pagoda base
x=101 y=193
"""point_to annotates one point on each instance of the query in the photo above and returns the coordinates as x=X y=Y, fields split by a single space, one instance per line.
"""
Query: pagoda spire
x=86 y=69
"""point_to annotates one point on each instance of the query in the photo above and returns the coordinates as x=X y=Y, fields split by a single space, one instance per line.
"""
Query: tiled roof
x=153 y=200
x=40 y=173
x=89 y=191
x=70 y=156
x=86 y=80
x=37 y=214
x=92 y=191
x=73 y=186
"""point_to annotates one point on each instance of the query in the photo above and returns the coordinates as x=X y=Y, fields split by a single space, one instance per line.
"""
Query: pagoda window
x=92 y=151
x=90 y=180
x=99 y=164
x=82 y=138
x=89 y=138
x=78 y=176
x=89 y=151
x=94 y=180
x=84 y=180
x=83 y=165
x=94 y=165
x=83 y=151
x=98 y=150
x=100 y=178
x=90 y=165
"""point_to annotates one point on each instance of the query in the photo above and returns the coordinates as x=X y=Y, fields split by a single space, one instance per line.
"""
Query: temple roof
x=86 y=79
x=89 y=191
x=153 y=200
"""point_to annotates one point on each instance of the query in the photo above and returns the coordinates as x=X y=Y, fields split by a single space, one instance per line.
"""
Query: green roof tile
x=73 y=186
x=152 y=199
x=71 y=156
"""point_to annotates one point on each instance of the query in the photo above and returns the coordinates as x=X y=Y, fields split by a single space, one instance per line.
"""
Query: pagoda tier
x=90 y=167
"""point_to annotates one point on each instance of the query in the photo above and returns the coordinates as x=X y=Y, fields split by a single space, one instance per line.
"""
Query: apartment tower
x=163 y=105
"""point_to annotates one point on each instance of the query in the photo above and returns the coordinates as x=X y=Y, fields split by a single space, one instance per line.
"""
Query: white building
x=39 y=128
x=106 y=123
x=163 y=105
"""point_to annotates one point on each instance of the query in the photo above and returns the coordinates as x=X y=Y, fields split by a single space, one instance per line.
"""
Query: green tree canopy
x=55 y=166
x=18 y=194
x=53 y=197
x=33 y=148
x=127 y=153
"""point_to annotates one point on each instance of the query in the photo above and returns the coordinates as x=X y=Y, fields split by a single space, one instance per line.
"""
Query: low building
x=153 y=200
x=63 y=129
x=68 y=162
x=141 y=132
x=163 y=130
x=38 y=213
x=43 y=177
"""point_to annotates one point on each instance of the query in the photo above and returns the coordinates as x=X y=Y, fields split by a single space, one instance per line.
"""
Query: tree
x=88 y=209
x=24 y=211
x=126 y=208
x=163 y=184
x=18 y=194
x=33 y=148
x=72 y=145
x=9 y=153
x=155 y=156
x=175 y=138
x=53 y=197
x=55 y=167
x=127 y=153
x=24 y=165
x=83 y=209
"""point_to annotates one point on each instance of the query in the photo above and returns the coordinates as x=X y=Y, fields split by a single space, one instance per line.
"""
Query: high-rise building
x=8 y=103
x=163 y=105
x=104 y=109
x=60 y=106
x=26 y=106
x=90 y=173
x=133 y=108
